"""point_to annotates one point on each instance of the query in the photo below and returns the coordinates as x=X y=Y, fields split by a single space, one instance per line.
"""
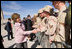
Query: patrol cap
x=15 y=16
x=41 y=10
x=48 y=8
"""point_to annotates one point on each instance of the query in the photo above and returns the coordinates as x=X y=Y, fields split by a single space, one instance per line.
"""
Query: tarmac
x=11 y=43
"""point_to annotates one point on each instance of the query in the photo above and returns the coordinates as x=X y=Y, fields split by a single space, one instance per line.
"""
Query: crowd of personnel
x=51 y=28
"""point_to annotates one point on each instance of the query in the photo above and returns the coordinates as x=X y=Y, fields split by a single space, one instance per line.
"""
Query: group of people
x=52 y=29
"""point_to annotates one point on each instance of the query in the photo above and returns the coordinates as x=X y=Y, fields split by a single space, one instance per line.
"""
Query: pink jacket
x=19 y=33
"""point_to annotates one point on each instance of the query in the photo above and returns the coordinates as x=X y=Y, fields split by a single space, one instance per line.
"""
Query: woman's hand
x=34 y=31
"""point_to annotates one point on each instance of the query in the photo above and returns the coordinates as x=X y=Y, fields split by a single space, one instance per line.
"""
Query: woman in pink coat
x=20 y=33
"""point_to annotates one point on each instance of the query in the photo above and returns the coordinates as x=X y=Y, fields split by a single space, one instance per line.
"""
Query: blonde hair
x=34 y=19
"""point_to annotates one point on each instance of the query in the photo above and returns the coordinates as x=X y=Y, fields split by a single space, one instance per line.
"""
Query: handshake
x=34 y=31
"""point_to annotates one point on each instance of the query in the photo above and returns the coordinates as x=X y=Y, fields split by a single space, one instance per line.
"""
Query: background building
x=2 y=17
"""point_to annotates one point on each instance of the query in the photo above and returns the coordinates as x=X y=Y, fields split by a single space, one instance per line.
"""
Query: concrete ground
x=11 y=43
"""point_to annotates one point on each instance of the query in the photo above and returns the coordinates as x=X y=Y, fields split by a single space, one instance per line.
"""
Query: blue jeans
x=38 y=36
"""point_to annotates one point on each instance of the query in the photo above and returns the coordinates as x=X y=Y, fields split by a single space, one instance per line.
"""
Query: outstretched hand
x=34 y=31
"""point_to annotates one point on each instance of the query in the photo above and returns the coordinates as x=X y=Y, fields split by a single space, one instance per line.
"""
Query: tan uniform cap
x=41 y=10
x=47 y=8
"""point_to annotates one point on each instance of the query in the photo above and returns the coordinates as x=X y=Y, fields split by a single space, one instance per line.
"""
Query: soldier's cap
x=15 y=16
x=48 y=8
x=40 y=10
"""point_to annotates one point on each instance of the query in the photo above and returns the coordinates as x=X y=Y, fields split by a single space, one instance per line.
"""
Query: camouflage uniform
x=60 y=36
x=41 y=36
x=47 y=32
x=48 y=29
x=44 y=38
x=37 y=24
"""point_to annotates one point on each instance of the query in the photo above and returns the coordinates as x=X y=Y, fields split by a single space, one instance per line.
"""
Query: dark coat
x=9 y=28
x=29 y=24
x=24 y=22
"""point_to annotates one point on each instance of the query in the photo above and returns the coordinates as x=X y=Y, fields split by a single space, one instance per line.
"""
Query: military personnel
x=68 y=24
x=41 y=24
x=60 y=37
x=44 y=39
x=51 y=24
x=37 y=24
x=47 y=27
x=51 y=28
x=37 y=20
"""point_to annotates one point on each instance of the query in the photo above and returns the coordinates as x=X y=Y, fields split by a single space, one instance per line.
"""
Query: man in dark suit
x=24 y=22
x=29 y=23
x=29 y=27
x=9 y=29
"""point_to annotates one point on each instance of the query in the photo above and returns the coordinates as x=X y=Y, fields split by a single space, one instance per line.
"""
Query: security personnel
x=60 y=37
